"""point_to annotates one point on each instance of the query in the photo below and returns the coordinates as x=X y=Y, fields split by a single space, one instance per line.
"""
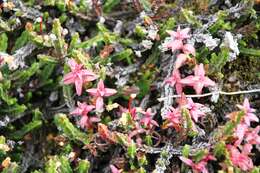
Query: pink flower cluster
x=147 y=120
x=82 y=110
x=245 y=138
x=200 y=166
x=198 y=80
x=174 y=117
x=79 y=76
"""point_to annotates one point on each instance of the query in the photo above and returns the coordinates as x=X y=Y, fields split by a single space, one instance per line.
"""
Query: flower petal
x=69 y=78
x=186 y=160
x=99 y=104
x=198 y=87
x=101 y=85
x=109 y=92
x=83 y=122
x=188 y=49
x=181 y=58
x=189 y=80
x=78 y=85
x=178 y=88
x=72 y=64
x=93 y=92
x=171 y=33
x=199 y=70
x=114 y=169
x=209 y=82
x=77 y=111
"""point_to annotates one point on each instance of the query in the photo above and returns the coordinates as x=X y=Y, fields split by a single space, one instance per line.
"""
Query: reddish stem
x=130 y=104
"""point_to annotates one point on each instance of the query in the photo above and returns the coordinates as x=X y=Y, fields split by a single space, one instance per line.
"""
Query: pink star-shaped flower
x=241 y=159
x=99 y=93
x=178 y=45
x=249 y=116
x=200 y=166
x=147 y=120
x=252 y=137
x=199 y=80
x=175 y=79
x=173 y=116
x=174 y=45
x=180 y=34
x=188 y=49
x=240 y=132
x=78 y=76
x=194 y=109
x=83 y=109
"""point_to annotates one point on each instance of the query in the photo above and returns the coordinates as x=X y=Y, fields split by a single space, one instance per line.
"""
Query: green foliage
x=12 y=168
x=250 y=51
x=65 y=165
x=22 y=40
x=131 y=150
x=74 y=41
x=220 y=149
x=3 y=42
x=13 y=110
x=188 y=123
x=220 y=23
x=168 y=25
x=199 y=155
x=58 y=164
x=231 y=125
x=59 y=42
x=140 y=31
x=46 y=72
x=103 y=36
x=109 y=5
x=144 y=86
x=12 y=107
x=186 y=150
x=146 y=5
x=4 y=88
x=49 y=2
x=33 y=98
x=123 y=55
x=218 y=61
x=61 y=5
x=32 y=126
x=256 y=170
x=69 y=130
x=82 y=58
x=4 y=148
x=191 y=18
x=90 y=42
x=148 y=140
x=141 y=170
x=47 y=59
x=67 y=94
x=4 y=25
x=21 y=77
x=83 y=166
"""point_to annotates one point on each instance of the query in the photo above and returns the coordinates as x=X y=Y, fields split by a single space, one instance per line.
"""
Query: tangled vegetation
x=130 y=86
